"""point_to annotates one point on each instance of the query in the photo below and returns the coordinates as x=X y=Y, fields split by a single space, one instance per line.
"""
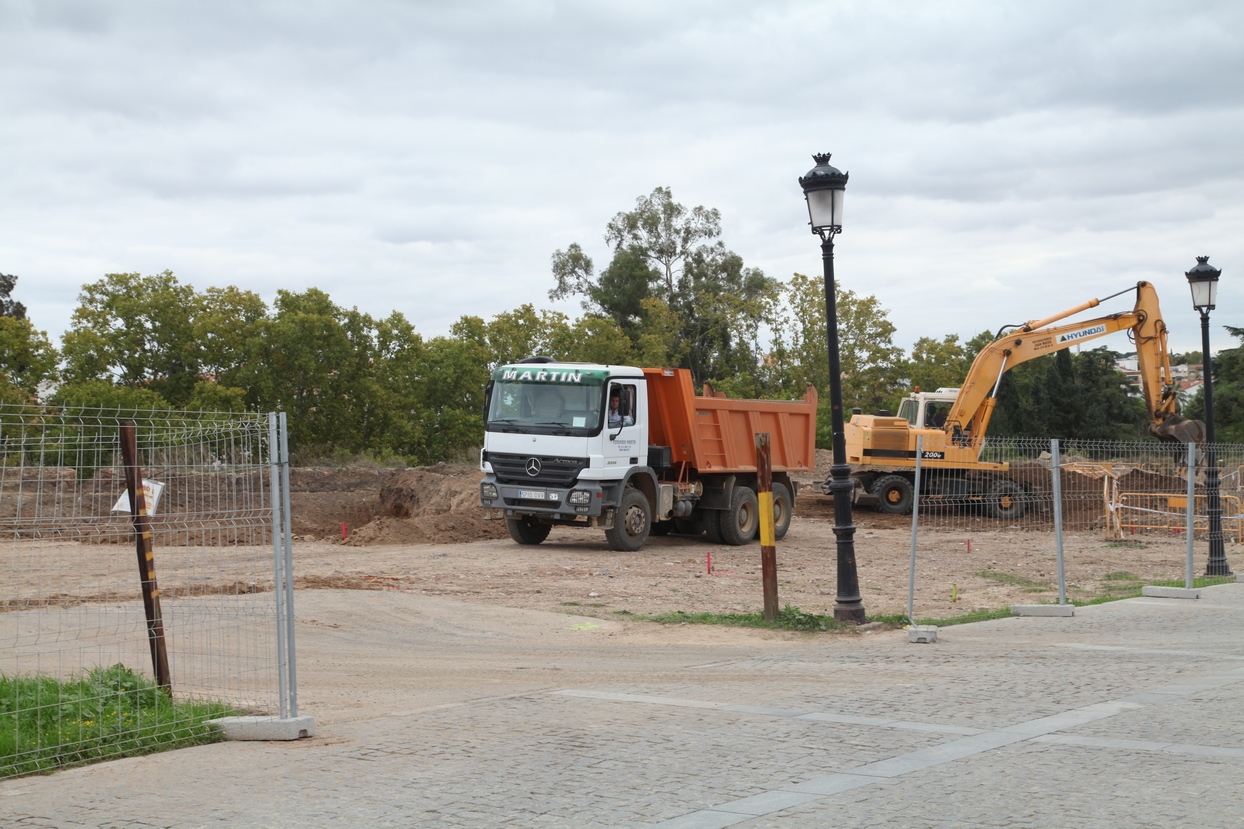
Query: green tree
x=10 y=307
x=674 y=289
x=872 y=365
x=138 y=330
x=226 y=324
x=723 y=307
x=1227 y=368
x=454 y=371
x=594 y=340
x=660 y=343
x=1074 y=396
x=1102 y=402
x=299 y=365
x=27 y=358
x=525 y=332
x=936 y=364
x=101 y=394
x=398 y=426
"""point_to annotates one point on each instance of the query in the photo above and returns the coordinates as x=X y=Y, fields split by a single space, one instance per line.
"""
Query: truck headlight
x=580 y=497
x=487 y=492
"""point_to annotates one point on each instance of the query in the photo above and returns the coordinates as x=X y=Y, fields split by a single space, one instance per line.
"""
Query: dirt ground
x=422 y=530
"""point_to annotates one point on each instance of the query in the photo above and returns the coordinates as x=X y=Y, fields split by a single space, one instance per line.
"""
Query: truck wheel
x=711 y=519
x=631 y=524
x=1006 y=500
x=740 y=522
x=894 y=494
x=526 y=531
x=782 y=510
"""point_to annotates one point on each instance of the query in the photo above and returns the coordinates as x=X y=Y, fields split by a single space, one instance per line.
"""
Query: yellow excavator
x=881 y=449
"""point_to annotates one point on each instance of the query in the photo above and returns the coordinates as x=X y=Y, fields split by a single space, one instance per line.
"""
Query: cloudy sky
x=1007 y=159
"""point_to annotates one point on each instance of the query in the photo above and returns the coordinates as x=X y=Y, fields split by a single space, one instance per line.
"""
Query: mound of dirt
x=429 y=505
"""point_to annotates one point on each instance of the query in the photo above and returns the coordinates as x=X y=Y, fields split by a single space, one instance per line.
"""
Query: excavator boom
x=969 y=415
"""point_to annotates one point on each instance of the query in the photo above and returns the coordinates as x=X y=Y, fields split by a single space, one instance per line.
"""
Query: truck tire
x=1006 y=500
x=632 y=523
x=711 y=519
x=894 y=494
x=526 y=531
x=740 y=523
x=782 y=510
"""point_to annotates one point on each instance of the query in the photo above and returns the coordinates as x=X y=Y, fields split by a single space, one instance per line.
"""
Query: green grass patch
x=789 y=618
x=1132 y=589
x=1011 y=578
x=900 y=619
x=1120 y=575
x=106 y=713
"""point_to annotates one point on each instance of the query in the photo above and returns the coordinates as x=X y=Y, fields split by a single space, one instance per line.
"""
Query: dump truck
x=634 y=451
x=952 y=422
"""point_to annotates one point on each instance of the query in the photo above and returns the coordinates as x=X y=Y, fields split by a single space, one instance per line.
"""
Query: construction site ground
x=422 y=530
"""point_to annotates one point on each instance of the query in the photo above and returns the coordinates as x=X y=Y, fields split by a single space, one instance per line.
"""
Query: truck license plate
x=536 y=494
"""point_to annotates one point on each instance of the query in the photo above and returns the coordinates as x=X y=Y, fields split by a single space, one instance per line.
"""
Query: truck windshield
x=559 y=408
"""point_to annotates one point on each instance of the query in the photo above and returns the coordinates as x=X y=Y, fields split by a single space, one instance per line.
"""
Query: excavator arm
x=969 y=415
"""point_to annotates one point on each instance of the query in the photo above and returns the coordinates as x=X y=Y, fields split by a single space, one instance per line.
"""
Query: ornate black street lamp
x=824 y=187
x=1203 y=279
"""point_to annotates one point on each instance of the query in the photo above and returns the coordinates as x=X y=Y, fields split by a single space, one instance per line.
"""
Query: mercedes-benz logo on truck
x=533 y=467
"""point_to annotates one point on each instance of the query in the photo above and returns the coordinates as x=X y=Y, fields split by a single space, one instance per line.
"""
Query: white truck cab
x=561 y=443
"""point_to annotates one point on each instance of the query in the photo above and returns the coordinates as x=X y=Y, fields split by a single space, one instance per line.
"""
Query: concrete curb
x=1043 y=609
x=1169 y=593
x=266 y=728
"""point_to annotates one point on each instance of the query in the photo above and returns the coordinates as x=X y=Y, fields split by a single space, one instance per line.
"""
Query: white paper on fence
x=151 y=497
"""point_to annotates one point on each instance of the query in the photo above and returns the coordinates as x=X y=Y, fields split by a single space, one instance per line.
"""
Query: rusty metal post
x=146 y=557
x=768 y=550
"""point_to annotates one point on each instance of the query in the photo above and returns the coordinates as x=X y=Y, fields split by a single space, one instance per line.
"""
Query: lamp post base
x=848 y=606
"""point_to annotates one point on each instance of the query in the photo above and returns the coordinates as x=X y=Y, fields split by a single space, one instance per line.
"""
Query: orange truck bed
x=716 y=434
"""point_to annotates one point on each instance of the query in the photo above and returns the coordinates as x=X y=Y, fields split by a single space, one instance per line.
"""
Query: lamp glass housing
x=1204 y=292
x=825 y=207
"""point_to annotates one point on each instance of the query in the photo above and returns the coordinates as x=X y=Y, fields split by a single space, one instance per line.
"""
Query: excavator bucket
x=1179 y=429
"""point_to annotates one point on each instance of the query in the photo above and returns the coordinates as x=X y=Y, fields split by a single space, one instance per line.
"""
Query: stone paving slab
x=1033 y=722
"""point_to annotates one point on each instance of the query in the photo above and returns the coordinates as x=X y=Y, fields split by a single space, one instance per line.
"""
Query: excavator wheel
x=894 y=494
x=1006 y=500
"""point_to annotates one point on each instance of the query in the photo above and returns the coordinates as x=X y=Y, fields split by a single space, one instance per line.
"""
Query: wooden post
x=146 y=559
x=768 y=550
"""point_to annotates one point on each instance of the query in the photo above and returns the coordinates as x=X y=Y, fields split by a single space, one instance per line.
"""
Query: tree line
x=671 y=294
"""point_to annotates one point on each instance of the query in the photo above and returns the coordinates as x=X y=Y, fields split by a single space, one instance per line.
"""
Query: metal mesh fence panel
x=1123 y=513
x=71 y=601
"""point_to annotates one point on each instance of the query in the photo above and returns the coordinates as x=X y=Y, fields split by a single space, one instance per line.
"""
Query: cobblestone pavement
x=1129 y=714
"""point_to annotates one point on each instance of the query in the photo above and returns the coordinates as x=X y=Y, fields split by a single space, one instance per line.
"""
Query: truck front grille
x=554 y=472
